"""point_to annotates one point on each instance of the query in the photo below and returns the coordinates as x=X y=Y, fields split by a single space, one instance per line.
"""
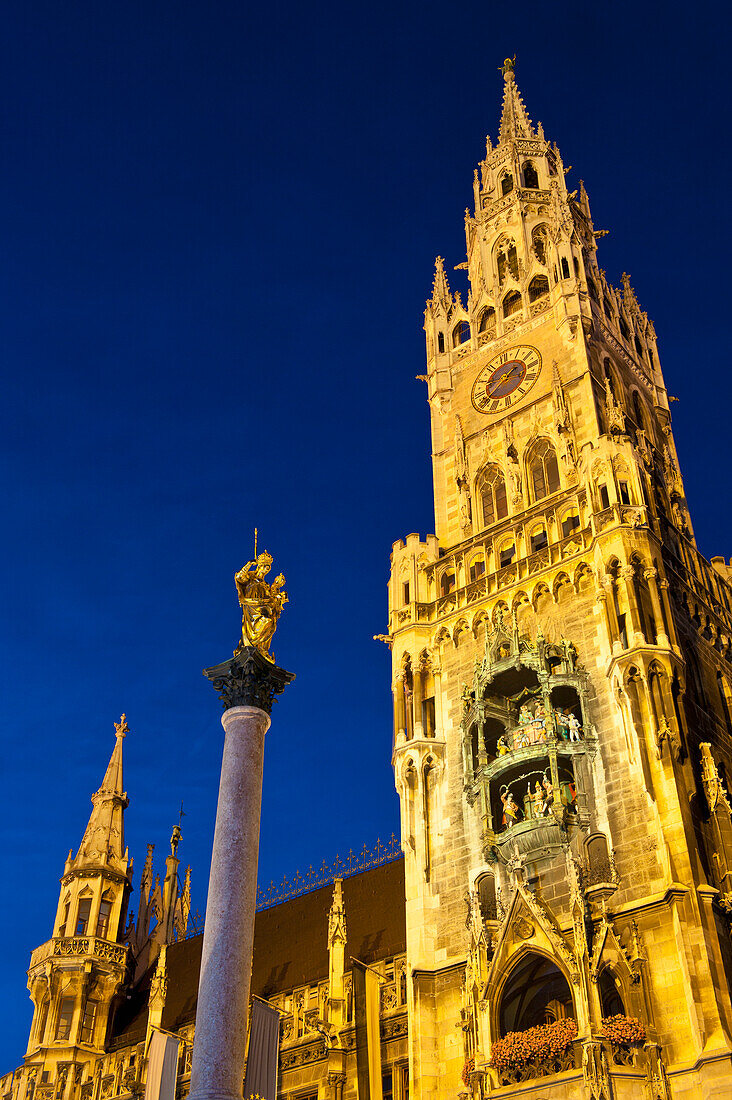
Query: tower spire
x=103 y=840
x=515 y=121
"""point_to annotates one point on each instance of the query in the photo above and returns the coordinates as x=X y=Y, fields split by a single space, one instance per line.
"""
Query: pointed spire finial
x=121 y=727
x=515 y=121
x=440 y=286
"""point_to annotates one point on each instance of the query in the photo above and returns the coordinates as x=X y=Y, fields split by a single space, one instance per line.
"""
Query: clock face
x=506 y=379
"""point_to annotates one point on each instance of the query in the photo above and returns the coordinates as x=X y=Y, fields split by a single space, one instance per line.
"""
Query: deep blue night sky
x=218 y=230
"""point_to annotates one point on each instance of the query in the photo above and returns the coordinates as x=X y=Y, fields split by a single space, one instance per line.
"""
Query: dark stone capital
x=248 y=680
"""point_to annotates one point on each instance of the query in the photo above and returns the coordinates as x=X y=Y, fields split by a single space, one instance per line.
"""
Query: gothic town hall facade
x=557 y=923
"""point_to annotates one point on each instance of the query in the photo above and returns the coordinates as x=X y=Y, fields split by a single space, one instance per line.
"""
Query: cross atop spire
x=515 y=121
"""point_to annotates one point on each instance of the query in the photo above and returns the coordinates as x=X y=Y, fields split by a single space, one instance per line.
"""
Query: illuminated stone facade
x=561 y=675
x=562 y=671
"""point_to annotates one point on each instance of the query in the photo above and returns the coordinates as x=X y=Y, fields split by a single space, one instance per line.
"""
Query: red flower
x=544 y=1042
x=623 y=1030
x=467 y=1070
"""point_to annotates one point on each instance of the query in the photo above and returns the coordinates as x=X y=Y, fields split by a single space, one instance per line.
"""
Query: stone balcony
x=81 y=947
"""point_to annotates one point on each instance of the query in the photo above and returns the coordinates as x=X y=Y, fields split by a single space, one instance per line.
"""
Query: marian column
x=247 y=684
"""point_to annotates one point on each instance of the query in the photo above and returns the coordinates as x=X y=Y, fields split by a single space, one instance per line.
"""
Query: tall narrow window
x=65 y=1017
x=493 y=496
x=103 y=922
x=723 y=701
x=42 y=1020
x=565 y=267
x=531 y=179
x=487 y=319
x=624 y=492
x=637 y=410
x=387 y=1085
x=604 y=497
x=543 y=470
x=440 y=342
x=507 y=184
x=88 y=1021
x=405 y=592
x=82 y=917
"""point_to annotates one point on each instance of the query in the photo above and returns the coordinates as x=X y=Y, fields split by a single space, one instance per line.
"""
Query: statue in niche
x=511 y=812
x=261 y=603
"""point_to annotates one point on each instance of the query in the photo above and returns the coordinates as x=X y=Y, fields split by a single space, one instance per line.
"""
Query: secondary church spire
x=103 y=840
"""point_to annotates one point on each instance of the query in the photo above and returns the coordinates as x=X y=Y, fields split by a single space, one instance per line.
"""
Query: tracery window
x=507 y=261
x=487 y=319
x=447 y=583
x=493 y=498
x=506 y=183
x=512 y=303
x=543 y=470
x=538 y=288
x=460 y=334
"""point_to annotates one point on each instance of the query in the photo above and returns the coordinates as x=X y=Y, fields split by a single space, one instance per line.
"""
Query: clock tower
x=561 y=674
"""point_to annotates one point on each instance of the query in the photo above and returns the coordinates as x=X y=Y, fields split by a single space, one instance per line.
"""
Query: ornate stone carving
x=248 y=680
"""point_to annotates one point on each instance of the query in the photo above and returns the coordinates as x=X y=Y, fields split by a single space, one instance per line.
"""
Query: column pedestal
x=247 y=685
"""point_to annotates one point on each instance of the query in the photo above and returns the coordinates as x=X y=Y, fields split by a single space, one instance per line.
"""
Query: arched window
x=486 y=887
x=610 y=998
x=608 y=309
x=538 y=287
x=447 y=583
x=592 y=289
x=507 y=553
x=487 y=319
x=536 y=992
x=538 y=539
x=506 y=183
x=543 y=470
x=565 y=267
x=624 y=329
x=460 y=334
x=493 y=496
x=551 y=164
x=440 y=342
x=512 y=303
x=531 y=178
x=570 y=522
x=638 y=348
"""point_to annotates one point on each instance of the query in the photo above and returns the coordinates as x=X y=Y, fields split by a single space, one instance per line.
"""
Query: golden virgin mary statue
x=261 y=603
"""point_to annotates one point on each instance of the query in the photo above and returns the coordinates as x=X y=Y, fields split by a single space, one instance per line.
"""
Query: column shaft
x=217 y=1072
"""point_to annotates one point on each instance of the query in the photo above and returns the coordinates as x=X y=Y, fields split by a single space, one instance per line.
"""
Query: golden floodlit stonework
x=558 y=925
x=562 y=681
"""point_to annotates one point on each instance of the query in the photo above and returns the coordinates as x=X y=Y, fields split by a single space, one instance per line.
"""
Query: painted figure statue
x=511 y=812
